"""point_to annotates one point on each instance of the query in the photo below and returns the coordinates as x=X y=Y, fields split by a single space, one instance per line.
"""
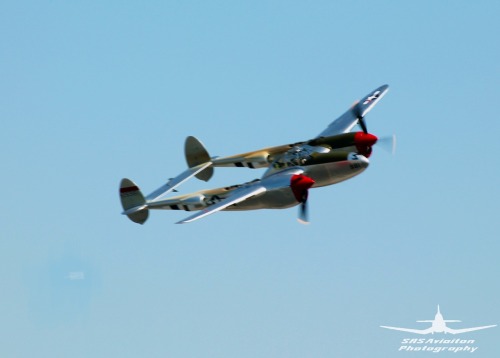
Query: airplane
x=335 y=155
x=439 y=326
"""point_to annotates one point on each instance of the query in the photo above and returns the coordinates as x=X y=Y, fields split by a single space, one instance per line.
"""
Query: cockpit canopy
x=297 y=156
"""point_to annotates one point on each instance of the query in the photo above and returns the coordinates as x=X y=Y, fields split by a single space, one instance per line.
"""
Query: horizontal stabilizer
x=178 y=180
x=134 y=210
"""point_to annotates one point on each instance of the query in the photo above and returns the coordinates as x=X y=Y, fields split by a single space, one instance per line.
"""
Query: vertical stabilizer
x=133 y=202
x=196 y=154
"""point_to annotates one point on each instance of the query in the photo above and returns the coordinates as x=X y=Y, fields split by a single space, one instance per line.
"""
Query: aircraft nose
x=359 y=159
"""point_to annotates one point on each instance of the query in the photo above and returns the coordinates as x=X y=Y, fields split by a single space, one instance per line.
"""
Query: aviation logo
x=438 y=325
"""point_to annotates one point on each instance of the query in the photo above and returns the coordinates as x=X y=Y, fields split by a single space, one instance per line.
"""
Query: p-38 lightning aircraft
x=335 y=155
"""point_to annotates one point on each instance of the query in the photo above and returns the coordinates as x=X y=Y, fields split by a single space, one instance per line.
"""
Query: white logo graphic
x=439 y=326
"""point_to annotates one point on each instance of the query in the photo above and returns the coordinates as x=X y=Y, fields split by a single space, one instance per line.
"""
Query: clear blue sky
x=91 y=92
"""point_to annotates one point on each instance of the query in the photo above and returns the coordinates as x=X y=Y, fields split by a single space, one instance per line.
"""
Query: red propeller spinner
x=300 y=185
x=364 y=142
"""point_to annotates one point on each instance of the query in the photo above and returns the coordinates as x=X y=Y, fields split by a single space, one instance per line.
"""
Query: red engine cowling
x=300 y=185
x=364 y=142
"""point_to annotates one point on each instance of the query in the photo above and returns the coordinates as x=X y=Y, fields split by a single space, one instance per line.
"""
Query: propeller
x=303 y=217
x=388 y=143
x=300 y=185
x=358 y=113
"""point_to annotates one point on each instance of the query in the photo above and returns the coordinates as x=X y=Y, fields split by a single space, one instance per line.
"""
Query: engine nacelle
x=336 y=141
x=194 y=202
x=359 y=141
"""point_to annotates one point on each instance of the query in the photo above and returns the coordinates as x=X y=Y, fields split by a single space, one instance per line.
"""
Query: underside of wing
x=349 y=119
x=416 y=331
x=237 y=196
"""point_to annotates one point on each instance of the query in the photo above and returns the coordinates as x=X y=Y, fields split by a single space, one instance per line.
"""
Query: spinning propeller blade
x=303 y=217
x=356 y=109
x=388 y=143
x=300 y=185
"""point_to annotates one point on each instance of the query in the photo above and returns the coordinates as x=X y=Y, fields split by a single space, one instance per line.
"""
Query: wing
x=417 y=331
x=463 y=330
x=348 y=120
x=175 y=182
x=263 y=157
x=237 y=196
